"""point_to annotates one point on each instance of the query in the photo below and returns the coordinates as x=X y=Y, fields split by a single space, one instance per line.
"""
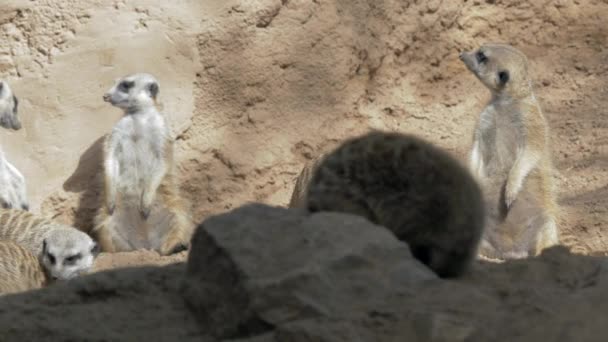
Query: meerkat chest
x=140 y=143
x=501 y=133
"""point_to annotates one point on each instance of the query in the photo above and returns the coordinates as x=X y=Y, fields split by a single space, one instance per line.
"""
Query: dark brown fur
x=418 y=191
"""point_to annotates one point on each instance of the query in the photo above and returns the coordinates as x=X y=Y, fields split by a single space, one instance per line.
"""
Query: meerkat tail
x=178 y=237
x=104 y=236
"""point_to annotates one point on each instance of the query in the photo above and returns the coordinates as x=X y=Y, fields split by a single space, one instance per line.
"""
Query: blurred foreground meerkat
x=142 y=207
x=20 y=269
x=418 y=191
x=511 y=157
x=13 y=192
x=64 y=251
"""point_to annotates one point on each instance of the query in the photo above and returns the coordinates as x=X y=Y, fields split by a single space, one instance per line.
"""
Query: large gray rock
x=131 y=304
x=259 y=267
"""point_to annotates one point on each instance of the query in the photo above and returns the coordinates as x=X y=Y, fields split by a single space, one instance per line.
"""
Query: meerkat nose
x=461 y=55
x=106 y=97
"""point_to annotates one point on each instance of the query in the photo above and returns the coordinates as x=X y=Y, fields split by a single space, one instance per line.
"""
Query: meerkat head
x=8 y=107
x=67 y=253
x=133 y=93
x=501 y=68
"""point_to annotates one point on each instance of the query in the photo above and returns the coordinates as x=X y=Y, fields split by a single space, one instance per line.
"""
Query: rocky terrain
x=261 y=273
x=252 y=90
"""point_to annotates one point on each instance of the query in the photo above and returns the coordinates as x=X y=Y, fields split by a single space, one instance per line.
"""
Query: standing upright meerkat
x=142 y=207
x=13 y=192
x=64 y=251
x=511 y=156
x=418 y=191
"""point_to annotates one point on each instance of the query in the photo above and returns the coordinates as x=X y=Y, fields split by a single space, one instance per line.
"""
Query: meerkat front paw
x=511 y=192
x=110 y=206
x=145 y=205
x=144 y=211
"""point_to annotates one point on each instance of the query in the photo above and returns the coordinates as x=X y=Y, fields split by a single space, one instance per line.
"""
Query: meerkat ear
x=503 y=77
x=16 y=106
x=153 y=88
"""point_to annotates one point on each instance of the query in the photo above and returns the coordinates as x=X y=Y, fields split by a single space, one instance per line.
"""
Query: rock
x=131 y=304
x=258 y=267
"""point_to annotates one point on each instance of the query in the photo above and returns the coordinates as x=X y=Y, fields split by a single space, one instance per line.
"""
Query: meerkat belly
x=136 y=165
x=513 y=232
x=134 y=232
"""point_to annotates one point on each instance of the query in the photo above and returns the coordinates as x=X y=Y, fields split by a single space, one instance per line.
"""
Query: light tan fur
x=42 y=237
x=142 y=207
x=20 y=269
x=418 y=191
x=511 y=157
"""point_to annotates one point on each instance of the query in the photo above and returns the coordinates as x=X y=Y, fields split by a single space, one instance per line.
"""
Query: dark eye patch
x=481 y=57
x=51 y=258
x=126 y=85
x=72 y=259
x=503 y=77
x=16 y=102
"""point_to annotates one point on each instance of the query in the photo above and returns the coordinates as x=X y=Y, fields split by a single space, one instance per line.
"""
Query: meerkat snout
x=107 y=97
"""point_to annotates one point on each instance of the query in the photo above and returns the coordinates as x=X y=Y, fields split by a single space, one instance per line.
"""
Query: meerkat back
x=419 y=192
x=20 y=269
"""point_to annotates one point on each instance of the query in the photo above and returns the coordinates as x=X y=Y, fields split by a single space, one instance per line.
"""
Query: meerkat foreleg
x=150 y=188
x=525 y=162
x=111 y=173
x=19 y=185
x=476 y=161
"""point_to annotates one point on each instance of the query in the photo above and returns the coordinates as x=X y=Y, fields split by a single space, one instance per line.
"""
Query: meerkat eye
x=503 y=77
x=1 y=87
x=481 y=57
x=125 y=85
x=153 y=88
x=51 y=258
x=71 y=259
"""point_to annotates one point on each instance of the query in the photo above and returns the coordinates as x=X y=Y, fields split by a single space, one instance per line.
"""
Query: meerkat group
x=501 y=206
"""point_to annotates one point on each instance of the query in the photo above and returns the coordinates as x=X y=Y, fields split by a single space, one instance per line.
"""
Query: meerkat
x=142 y=208
x=13 y=191
x=510 y=157
x=416 y=190
x=20 y=269
x=64 y=251
x=298 y=196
